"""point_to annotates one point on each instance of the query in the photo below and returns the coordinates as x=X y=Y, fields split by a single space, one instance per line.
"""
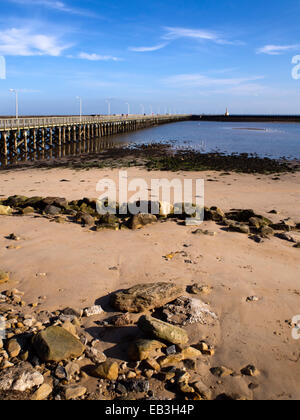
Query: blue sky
x=194 y=56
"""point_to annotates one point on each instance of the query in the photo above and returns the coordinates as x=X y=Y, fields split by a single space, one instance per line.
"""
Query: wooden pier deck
x=36 y=138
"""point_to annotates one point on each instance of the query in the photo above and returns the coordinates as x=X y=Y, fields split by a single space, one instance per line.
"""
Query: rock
x=85 y=219
x=281 y=226
x=13 y=237
x=138 y=221
x=145 y=297
x=191 y=353
x=52 y=210
x=171 y=350
x=108 y=221
x=92 y=311
x=20 y=378
x=5 y=211
x=255 y=222
x=152 y=364
x=216 y=214
x=285 y=237
x=16 y=201
x=163 y=331
x=42 y=393
x=239 y=227
x=240 y=215
x=60 y=372
x=13 y=348
x=56 y=344
x=121 y=389
x=171 y=360
x=165 y=209
x=145 y=349
x=252 y=299
x=119 y=321
x=184 y=311
x=58 y=202
x=138 y=385
x=4 y=277
x=221 y=372
x=71 y=328
x=203 y=390
x=27 y=210
x=204 y=232
x=250 y=370
x=266 y=231
x=96 y=355
x=297 y=245
x=107 y=370
x=196 y=289
x=73 y=392
x=72 y=369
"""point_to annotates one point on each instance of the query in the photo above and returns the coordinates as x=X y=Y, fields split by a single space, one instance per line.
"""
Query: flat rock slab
x=184 y=311
x=163 y=331
x=145 y=297
x=56 y=344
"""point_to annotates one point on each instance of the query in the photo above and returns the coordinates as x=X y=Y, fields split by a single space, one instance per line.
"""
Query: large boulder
x=162 y=330
x=56 y=344
x=145 y=297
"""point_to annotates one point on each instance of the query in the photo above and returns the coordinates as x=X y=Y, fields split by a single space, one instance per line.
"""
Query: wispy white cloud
x=173 y=33
x=276 y=49
x=148 y=49
x=55 y=5
x=97 y=57
x=24 y=42
x=199 y=80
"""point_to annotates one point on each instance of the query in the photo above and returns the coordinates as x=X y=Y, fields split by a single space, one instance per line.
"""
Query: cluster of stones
x=85 y=213
x=48 y=355
x=256 y=226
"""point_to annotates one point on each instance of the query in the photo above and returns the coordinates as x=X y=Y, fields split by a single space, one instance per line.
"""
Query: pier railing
x=35 y=122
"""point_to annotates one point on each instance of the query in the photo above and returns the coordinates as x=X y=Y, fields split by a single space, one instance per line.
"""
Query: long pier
x=38 y=138
x=248 y=118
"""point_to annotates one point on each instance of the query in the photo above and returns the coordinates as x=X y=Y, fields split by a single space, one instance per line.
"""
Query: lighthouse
x=227 y=113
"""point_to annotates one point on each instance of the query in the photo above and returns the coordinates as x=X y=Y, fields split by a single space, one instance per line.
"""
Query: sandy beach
x=65 y=265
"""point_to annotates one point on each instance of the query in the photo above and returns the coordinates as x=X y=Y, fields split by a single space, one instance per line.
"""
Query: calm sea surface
x=273 y=140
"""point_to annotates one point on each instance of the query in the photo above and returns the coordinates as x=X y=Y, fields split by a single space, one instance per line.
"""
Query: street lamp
x=80 y=106
x=128 y=107
x=17 y=102
x=109 y=104
x=143 y=109
x=151 y=110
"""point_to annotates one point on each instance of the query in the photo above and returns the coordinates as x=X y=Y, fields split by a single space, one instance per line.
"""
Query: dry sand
x=72 y=267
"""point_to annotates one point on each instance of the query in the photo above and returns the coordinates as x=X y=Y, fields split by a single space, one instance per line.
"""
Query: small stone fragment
x=107 y=370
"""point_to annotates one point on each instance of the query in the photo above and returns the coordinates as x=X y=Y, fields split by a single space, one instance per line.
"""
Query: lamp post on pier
x=128 y=107
x=17 y=101
x=109 y=106
x=80 y=106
